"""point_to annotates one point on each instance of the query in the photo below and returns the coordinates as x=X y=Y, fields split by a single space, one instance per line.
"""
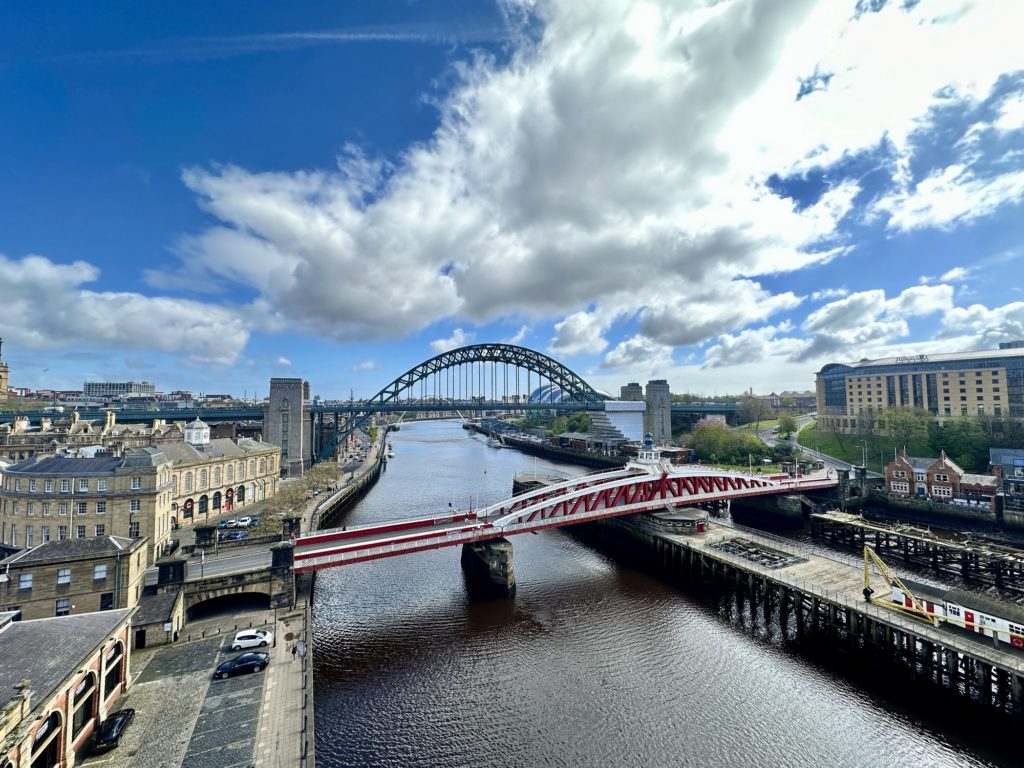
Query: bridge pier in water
x=489 y=565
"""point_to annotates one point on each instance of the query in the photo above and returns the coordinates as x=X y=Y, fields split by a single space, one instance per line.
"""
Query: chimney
x=108 y=420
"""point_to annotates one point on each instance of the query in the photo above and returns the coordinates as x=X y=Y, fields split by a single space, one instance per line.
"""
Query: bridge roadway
x=610 y=493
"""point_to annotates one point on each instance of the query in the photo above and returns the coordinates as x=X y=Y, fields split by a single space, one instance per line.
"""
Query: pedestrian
x=295 y=650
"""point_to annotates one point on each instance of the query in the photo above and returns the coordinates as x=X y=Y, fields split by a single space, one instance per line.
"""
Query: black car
x=109 y=734
x=247 y=662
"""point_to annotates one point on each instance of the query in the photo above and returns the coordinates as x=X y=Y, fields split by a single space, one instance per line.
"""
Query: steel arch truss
x=548 y=368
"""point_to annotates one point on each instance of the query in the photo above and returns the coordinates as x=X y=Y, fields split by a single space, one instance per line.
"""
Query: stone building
x=63 y=577
x=214 y=475
x=632 y=392
x=59 y=677
x=57 y=498
x=20 y=440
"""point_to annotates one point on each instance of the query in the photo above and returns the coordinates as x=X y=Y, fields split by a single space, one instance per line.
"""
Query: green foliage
x=963 y=440
x=787 y=425
x=905 y=425
x=372 y=432
x=718 y=443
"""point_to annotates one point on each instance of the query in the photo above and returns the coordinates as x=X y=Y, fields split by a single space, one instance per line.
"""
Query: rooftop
x=945 y=357
x=46 y=651
x=62 y=550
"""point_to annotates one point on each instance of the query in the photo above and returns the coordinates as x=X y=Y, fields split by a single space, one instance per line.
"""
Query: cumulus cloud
x=750 y=346
x=367 y=365
x=639 y=353
x=46 y=306
x=580 y=333
x=459 y=338
x=282 y=360
x=829 y=293
x=519 y=335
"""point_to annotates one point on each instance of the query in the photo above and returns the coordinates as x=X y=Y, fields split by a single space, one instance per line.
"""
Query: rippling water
x=591 y=664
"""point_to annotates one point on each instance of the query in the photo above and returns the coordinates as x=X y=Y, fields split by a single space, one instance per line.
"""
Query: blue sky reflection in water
x=591 y=663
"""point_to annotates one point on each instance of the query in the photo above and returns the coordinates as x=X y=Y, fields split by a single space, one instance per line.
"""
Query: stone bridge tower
x=286 y=423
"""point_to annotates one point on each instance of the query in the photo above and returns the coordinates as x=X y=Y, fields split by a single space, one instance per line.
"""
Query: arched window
x=46 y=742
x=231 y=473
x=113 y=663
x=204 y=504
x=216 y=500
x=241 y=470
x=202 y=478
x=252 y=468
x=188 y=482
x=174 y=485
x=84 y=704
x=216 y=477
x=263 y=467
x=240 y=494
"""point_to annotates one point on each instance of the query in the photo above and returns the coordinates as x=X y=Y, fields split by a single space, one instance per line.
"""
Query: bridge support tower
x=489 y=565
x=285 y=423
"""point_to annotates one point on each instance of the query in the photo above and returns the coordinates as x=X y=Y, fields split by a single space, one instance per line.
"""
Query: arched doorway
x=187 y=508
x=229 y=498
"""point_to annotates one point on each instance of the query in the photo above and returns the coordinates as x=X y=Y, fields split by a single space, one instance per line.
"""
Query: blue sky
x=727 y=195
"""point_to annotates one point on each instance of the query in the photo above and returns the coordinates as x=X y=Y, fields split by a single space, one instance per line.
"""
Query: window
x=135 y=505
x=32 y=486
x=174 y=486
x=188 y=482
x=99 y=572
x=136 y=483
x=48 y=486
x=29 y=538
x=953 y=610
x=942 y=478
x=113 y=660
x=106 y=601
x=84 y=705
x=14 y=507
x=30 y=508
x=81 y=531
x=900 y=474
x=83 y=486
x=101 y=485
x=101 y=530
x=231 y=473
x=17 y=484
x=81 y=507
x=63 y=607
x=943 y=491
x=62 y=532
x=46 y=509
x=44 y=534
x=63 y=576
x=65 y=486
x=133 y=530
x=202 y=478
x=14 y=534
x=24 y=581
x=900 y=487
x=216 y=476
x=101 y=507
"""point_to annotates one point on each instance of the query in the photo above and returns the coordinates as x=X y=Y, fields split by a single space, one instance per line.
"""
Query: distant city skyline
x=726 y=197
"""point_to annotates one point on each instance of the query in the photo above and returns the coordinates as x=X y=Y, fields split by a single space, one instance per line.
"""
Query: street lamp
x=864 y=453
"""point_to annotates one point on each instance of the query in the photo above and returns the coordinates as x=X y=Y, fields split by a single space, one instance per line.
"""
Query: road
x=771 y=438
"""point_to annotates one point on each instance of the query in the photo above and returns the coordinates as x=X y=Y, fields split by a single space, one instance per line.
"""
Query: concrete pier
x=489 y=564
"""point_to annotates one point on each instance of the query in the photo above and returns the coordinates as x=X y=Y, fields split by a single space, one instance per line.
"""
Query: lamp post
x=864 y=453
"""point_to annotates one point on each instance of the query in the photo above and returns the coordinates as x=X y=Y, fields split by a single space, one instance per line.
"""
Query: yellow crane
x=915 y=609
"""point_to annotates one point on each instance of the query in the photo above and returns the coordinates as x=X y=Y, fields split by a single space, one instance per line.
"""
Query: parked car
x=252 y=638
x=254 y=521
x=223 y=524
x=247 y=662
x=110 y=731
x=233 y=535
x=244 y=522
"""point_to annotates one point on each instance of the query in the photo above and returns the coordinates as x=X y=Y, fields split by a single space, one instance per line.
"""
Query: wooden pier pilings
x=817 y=600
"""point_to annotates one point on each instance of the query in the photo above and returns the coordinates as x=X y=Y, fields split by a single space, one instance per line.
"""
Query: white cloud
x=459 y=338
x=1011 y=114
x=367 y=365
x=282 y=360
x=949 y=196
x=920 y=300
x=639 y=353
x=579 y=334
x=752 y=345
x=519 y=335
x=987 y=327
x=45 y=306
x=829 y=293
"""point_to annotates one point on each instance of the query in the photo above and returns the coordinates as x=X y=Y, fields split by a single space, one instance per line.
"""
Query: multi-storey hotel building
x=982 y=383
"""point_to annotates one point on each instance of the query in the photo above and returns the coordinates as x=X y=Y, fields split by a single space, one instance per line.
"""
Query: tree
x=906 y=426
x=787 y=425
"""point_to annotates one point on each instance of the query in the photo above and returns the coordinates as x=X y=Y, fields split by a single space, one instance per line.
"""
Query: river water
x=593 y=663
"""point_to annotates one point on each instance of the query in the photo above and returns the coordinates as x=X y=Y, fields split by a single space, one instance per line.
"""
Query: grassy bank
x=879 y=450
